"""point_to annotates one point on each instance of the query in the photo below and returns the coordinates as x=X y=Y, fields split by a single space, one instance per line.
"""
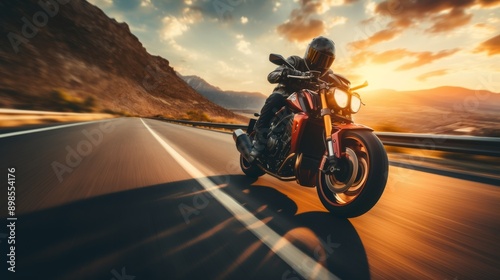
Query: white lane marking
x=298 y=260
x=45 y=129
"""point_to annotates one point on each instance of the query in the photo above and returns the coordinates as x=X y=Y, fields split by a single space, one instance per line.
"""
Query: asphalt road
x=140 y=199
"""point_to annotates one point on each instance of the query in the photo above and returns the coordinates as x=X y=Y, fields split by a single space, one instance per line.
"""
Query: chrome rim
x=342 y=179
x=360 y=174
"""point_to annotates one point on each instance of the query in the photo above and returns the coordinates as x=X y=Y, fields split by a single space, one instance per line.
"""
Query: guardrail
x=207 y=124
x=14 y=117
x=488 y=146
x=35 y=113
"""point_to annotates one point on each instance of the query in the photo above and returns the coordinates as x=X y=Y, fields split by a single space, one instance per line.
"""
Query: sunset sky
x=396 y=44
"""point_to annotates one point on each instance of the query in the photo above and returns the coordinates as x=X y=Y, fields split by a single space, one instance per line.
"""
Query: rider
x=319 y=56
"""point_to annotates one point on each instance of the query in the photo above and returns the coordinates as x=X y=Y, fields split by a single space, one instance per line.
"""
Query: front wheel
x=346 y=194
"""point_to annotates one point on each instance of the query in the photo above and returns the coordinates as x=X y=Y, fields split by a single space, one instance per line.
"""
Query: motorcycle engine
x=272 y=143
x=279 y=137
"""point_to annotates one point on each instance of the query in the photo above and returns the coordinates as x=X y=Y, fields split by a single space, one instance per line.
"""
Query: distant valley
x=232 y=100
x=445 y=110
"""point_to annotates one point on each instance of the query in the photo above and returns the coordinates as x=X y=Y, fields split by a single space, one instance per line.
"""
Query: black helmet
x=320 y=54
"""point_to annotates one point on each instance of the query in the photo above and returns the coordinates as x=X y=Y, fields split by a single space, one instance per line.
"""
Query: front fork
x=328 y=166
x=333 y=140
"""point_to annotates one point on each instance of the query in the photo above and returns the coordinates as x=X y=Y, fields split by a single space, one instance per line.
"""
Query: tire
x=251 y=170
x=370 y=180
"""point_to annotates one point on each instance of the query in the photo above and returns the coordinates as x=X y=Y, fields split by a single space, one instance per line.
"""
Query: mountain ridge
x=230 y=99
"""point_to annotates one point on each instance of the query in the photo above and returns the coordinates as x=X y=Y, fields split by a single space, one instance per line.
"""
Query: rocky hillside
x=75 y=58
x=233 y=100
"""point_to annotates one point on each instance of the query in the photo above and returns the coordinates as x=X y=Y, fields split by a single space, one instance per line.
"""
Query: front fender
x=339 y=130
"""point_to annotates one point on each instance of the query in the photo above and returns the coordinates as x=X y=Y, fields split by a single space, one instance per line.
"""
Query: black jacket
x=288 y=86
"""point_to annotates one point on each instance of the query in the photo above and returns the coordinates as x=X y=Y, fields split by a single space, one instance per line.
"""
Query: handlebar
x=311 y=75
x=299 y=77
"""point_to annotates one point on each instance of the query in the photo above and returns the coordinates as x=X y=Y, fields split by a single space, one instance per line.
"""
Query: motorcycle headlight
x=341 y=98
x=355 y=103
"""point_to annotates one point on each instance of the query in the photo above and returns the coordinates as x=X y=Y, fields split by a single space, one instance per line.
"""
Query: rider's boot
x=259 y=145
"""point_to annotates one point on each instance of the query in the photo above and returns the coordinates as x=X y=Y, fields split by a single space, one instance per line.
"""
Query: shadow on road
x=329 y=240
x=179 y=231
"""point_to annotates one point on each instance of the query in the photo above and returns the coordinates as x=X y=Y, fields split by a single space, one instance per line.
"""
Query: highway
x=134 y=198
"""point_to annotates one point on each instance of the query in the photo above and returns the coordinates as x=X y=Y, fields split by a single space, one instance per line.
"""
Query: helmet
x=320 y=54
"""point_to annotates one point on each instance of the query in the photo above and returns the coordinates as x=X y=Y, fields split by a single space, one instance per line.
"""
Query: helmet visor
x=318 y=60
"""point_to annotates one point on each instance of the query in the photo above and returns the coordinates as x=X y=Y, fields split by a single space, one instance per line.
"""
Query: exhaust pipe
x=243 y=144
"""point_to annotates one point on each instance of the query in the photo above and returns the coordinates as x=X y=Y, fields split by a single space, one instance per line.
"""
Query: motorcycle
x=314 y=141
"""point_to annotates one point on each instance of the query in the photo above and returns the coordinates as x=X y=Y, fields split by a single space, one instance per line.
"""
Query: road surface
x=135 y=198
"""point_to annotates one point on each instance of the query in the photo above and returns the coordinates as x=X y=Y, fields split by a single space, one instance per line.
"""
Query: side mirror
x=279 y=60
x=365 y=84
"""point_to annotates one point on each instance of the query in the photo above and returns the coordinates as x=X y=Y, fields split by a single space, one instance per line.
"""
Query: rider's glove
x=291 y=72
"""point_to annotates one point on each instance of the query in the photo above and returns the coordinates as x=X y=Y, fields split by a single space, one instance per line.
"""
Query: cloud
x=419 y=58
x=370 y=7
x=244 y=20
x=300 y=29
x=436 y=73
x=490 y=46
x=277 y=5
x=302 y=25
x=391 y=55
x=176 y=26
x=242 y=45
x=484 y=27
x=380 y=36
x=449 y=21
x=146 y=3
x=339 y=20
x=361 y=58
x=443 y=15
x=192 y=15
x=423 y=58
x=101 y=3
x=172 y=27
x=231 y=71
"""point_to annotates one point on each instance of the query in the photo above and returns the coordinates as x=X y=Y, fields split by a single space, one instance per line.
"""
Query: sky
x=393 y=44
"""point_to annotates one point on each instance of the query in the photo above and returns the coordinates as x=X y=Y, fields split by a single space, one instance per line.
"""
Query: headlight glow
x=341 y=98
x=355 y=103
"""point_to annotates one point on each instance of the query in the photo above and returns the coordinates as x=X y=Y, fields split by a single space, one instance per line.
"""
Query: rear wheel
x=358 y=183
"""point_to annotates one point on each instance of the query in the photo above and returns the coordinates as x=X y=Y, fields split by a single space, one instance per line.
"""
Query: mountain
x=446 y=110
x=232 y=100
x=72 y=57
